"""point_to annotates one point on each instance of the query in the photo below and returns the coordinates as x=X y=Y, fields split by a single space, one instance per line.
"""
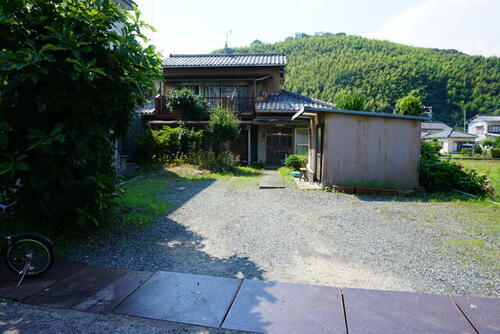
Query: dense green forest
x=449 y=81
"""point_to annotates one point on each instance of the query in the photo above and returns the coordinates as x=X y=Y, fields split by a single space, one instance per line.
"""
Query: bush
x=257 y=164
x=466 y=151
x=488 y=142
x=296 y=161
x=69 y=86
x=495 y=152
x=167 y=144
x=411 y=104
x=439 y=176
x=187 y=104
x=217 y=162
x=223 y=127
x=477 y=149
x=429 y=151
x=350 y=100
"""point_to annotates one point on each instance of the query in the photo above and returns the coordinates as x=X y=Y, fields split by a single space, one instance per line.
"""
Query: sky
x=200 y=26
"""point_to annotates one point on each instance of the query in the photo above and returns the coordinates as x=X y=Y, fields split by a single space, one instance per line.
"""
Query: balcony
x=241 y=104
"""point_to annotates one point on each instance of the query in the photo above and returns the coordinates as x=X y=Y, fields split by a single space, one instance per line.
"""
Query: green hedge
x=495 y=152
x=167 y=144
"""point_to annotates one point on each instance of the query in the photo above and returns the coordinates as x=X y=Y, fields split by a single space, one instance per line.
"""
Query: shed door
x=319 y=153
x=279 y=144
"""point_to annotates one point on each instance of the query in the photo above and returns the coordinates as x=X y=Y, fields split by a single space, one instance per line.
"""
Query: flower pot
x=365 y=190
x=347 y=190
x=388 y=192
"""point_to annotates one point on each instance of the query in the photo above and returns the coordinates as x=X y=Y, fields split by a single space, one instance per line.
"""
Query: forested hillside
x=320 y=66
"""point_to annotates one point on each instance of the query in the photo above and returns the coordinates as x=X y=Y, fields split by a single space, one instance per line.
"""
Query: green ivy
x=72 y=72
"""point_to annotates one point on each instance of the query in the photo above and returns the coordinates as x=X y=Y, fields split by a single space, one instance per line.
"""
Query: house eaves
x=308 y=110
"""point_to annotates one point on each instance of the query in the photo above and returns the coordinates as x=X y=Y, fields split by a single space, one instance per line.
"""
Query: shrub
x=69 y=86
x=477 y=149
x=495 y=152
x=223 y=127
x=411 y=104
x=488 y=142
x=217 y=162
x=167 y=144
x=439 y=176
x=466 y=151
x=187 y=104
x=350 y=100
x=257 y=164
x=429 y=151
x=296 y=161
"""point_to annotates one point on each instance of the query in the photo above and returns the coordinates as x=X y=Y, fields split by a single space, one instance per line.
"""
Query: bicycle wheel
x=31 y=248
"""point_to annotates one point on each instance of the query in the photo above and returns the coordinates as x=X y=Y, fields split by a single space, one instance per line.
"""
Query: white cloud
x=471 y=26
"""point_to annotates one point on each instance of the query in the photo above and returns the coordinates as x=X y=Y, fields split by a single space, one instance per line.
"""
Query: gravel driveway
x=299 y=236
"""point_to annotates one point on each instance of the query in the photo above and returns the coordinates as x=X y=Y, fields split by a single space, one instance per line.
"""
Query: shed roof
x=288 y=101
x=225 y=60
x=304 y=113
x=451 y=133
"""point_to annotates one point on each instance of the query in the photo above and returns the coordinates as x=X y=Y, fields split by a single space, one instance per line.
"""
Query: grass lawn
x=488 y=167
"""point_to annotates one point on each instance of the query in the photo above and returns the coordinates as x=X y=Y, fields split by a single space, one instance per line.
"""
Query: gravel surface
x=299 y=236
x=20 y=318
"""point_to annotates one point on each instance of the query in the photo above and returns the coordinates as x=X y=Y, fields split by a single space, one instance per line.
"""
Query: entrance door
x=279 y=144
x=319 y=153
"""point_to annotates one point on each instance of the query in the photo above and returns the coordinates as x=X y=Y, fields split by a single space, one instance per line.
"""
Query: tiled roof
x=449 y=134
x=288 y=101
x=434 y=126
x=487 y=117
x=223 y=60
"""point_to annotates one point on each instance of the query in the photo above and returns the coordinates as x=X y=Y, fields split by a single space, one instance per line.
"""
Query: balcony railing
x=235 y=104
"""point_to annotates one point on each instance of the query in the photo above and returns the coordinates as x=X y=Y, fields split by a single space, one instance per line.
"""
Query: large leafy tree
x=72 y=72
x=410 y=104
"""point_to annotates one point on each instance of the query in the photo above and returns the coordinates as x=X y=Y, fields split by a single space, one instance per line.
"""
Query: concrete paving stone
x=376 y=311
x=93 y=289
x=285 y=308
x=31 y=285
x=484 y=313
x=187 y=298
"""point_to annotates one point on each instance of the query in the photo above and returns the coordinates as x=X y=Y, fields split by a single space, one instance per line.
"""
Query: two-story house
x=484 y=126
x=250 y=86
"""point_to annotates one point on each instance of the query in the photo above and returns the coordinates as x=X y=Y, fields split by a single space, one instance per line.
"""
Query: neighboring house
x=250 y=86
x=452 y=141
x=484 y=126
x=432 y=127
x=349 y=147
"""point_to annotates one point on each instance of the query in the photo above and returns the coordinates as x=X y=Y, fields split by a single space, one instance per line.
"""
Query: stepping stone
x=284 y=308
x=271 y=180
x=372 y=311
x=31 y=285
x=483 y=313
x=187 y=298
x=92 y=289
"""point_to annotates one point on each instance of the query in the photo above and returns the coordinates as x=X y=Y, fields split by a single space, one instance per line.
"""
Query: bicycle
x=27 y=254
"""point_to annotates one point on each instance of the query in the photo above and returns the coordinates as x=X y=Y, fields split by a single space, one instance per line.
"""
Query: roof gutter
x=360 y=113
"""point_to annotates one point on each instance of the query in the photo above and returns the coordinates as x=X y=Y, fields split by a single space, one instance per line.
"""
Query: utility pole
x=465 y=119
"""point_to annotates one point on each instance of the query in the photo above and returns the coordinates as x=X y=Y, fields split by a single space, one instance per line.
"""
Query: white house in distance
x=484 y=126
x=427 y=128
x=451 y=140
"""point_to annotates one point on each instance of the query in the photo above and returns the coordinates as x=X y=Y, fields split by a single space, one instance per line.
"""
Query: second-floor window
x=495 y=128
x=216 y=90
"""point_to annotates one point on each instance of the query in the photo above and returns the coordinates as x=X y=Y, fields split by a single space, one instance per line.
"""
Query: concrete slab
x=484 y=313
x=273 y=307
x=92 y=289
x=187 y=298
x=374 y=311
x=32 y=285
x=271 y=179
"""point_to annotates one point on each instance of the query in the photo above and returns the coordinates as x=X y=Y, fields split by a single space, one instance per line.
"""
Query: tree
x=256 y=42
x=488 y=142
x=411 y=104
x=223 y=127
x=185 y=102
x=72 y=72
x=350 y=100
